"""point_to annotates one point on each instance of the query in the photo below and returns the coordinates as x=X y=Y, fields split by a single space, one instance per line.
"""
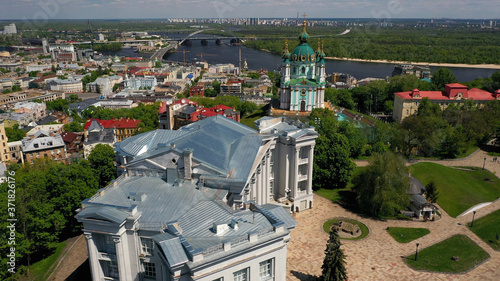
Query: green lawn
x=493 y=154
x=438 y=256
x=458 y=189
x=250 y=119
x=42 y=269
x=337 y=194
x=405 y=234
x=364 y=230
x=487 y=228
x=468 y=151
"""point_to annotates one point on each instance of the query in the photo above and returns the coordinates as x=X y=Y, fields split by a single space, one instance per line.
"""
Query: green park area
x=456 y=254
x=488 y=229
x=406 y=234
x=459 y=188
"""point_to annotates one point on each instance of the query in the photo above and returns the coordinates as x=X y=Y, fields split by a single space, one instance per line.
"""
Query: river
x=256 y=59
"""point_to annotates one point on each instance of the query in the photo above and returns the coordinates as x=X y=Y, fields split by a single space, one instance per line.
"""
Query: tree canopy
x=332 y=163
x=381 y=187
x=47 y=194
x=14 y=133
x=101 y=160
x=442 y=77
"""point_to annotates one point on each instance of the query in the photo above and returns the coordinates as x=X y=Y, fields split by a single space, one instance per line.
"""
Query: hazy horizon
x=316 y=9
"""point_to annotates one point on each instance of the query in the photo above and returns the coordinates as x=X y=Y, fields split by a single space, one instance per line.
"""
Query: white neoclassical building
x=209 y=201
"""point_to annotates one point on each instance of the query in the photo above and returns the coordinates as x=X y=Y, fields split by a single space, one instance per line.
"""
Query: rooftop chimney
x=188 y=163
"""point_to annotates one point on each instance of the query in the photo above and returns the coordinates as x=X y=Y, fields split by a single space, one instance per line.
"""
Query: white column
x=120 y=259
x=286 y=176
x=310 y=169
x=295 y=172
x=309 y=97
x=95 y=271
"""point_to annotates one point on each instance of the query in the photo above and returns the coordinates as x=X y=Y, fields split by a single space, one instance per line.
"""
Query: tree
x=47 y=193
x=427 y=108
x=442 y=77
x=14 y=133
x=431 y=192
x=101 y=160
x=73 y=127
x=381 y=187
x=333 y=268
x=16 y=88
x=332 y=165
x=74 y=98
x=496 y=77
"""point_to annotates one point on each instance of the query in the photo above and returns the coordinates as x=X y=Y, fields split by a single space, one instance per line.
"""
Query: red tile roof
x=456 y=85
x=115 y=123
x=451 y=92
x=432 y=95
x=209 y=113
x=478 y=94
x=163 y=108
x=221 y=107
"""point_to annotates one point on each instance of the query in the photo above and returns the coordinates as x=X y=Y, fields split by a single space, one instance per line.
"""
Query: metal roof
x=173 y=250
x=104 y=213
x=282 y=214
x=193 y=210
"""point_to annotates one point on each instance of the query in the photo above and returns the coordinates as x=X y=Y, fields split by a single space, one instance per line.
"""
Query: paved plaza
x=379 y=256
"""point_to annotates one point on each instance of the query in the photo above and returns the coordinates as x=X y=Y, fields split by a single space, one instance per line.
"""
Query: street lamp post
x=416 y=252
x=484 y=163
x=473 y=215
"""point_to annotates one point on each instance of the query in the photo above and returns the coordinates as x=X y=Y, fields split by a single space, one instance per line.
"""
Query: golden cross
x=304 y=15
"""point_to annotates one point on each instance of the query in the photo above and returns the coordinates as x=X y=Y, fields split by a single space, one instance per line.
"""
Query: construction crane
x=184 y=54
x=201 y=55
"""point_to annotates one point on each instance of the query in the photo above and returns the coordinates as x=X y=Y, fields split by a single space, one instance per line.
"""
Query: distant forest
x=430 y=44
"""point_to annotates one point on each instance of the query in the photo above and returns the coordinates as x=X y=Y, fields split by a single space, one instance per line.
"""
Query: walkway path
x=378 y=256
x=474 y=160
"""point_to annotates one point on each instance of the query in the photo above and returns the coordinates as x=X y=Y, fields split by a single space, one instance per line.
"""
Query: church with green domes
x=303 y=76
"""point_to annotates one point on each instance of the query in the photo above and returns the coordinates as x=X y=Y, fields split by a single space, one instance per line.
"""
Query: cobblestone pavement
x=379 y=256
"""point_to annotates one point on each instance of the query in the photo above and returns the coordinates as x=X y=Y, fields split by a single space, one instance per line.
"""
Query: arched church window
x=294 y=70
x=303 y=70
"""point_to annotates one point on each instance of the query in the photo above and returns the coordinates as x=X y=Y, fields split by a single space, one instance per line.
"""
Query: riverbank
x=462 y=65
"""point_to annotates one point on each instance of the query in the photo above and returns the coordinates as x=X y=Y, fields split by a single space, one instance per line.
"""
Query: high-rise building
x=10 y=29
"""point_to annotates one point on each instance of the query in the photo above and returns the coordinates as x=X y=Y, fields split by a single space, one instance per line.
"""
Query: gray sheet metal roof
x=42 y=141
x=149 y=141
x=242 y=152
x=104 y=213
x=174 y=252
x=216 y=141
x=282 y=214
x=195 y=211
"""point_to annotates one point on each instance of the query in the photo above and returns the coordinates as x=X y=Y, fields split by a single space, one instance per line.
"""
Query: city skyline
x=151 y=9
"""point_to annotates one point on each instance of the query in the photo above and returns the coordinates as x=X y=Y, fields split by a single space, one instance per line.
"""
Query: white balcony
x=106 y=257
x=303 y=161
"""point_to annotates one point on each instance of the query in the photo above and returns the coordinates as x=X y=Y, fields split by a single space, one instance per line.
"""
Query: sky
x=119 y=9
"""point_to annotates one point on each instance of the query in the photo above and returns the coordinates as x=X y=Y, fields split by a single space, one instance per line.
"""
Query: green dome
x=304 y=53
x=303 y=37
